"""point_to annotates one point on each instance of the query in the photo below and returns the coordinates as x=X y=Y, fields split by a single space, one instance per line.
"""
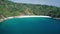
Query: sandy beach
x=22 y=17
x=30 y=16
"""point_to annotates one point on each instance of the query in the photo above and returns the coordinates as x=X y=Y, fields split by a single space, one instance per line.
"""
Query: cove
x=30 y=25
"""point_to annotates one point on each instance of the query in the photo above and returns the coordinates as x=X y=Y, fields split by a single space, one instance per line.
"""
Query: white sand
x=22 y=17
x=26 y=17
x=31 y=16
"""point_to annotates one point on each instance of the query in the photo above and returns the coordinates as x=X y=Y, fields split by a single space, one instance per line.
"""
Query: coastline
x=27 y=16
x=31 y=16
x=1 y=20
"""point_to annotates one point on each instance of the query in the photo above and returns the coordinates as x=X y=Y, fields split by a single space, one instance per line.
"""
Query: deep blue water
x=30 y=26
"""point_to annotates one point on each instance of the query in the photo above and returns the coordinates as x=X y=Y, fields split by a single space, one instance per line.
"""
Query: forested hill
x=8 y=8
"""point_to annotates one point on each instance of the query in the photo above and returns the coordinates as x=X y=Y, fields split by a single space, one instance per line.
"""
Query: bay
x=31 y=25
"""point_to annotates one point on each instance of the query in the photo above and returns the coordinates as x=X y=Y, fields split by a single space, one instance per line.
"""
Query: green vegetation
x=8 y=8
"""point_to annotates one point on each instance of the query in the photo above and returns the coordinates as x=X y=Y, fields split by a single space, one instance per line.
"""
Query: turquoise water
x=30 y=26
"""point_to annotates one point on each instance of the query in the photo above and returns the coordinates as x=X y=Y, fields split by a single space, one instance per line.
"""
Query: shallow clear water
x=30 y=26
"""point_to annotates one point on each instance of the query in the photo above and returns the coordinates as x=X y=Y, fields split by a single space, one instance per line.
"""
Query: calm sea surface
x=31 y=25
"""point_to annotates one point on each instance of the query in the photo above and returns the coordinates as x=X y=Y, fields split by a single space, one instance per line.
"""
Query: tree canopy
x=8 y=8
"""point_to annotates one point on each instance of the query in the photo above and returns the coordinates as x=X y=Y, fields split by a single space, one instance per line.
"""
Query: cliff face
x=8 y=8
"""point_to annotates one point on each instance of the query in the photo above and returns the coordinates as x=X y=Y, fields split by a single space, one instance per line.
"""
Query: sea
x=30 y=25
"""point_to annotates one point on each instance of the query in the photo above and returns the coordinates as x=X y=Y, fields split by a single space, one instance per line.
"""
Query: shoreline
x=31 y=16
x=1 y=20
x=27 y=16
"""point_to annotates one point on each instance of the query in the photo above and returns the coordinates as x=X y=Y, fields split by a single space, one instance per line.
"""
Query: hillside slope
x=8 y=8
